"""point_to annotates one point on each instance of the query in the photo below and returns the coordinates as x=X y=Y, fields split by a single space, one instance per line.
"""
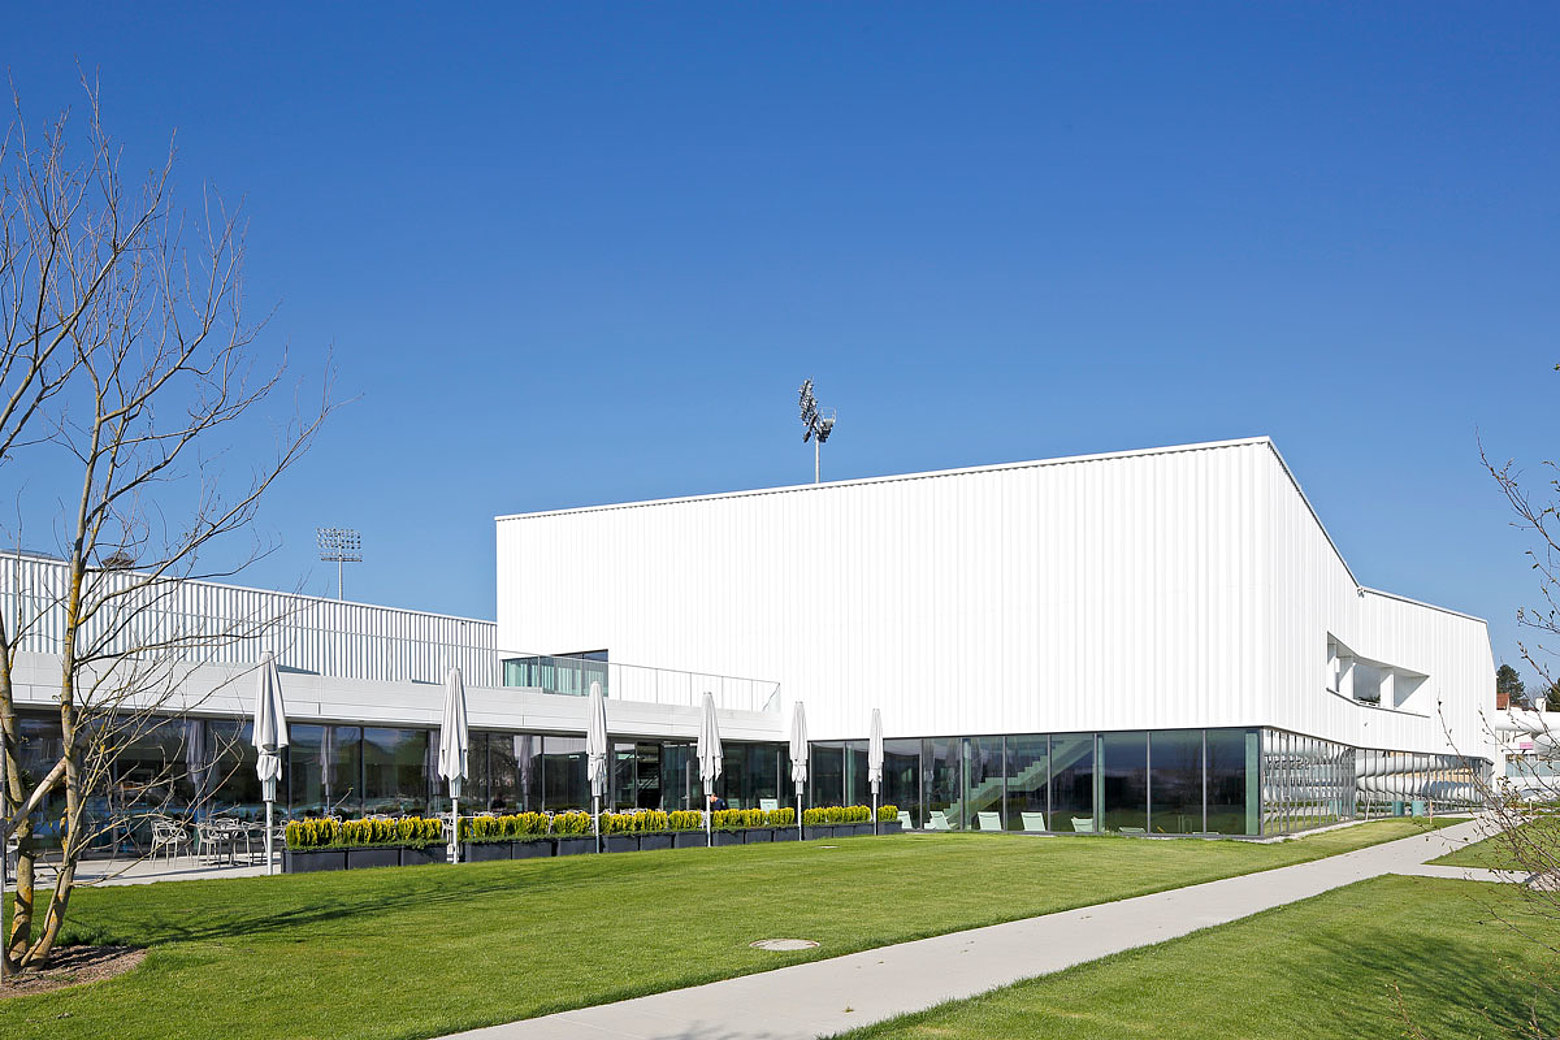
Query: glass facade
x=1191 y=781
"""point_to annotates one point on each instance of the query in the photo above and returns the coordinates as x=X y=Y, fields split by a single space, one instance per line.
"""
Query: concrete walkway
x=824 y=997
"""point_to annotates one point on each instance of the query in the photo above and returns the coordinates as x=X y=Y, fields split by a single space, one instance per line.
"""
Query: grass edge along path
x=1362 y=960
x=423 y=951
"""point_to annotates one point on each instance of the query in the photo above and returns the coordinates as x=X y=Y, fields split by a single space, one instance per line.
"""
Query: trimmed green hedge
x=888 y=814
x=326 y=833
x=835 y=814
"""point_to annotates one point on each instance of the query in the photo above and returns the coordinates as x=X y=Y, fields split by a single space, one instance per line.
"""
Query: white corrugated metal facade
x=1177 y=587
x=229 y=624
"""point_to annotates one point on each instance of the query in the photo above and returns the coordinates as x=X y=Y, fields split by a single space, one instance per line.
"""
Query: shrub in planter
x=531 y=848
x=312 y=833
x=617 y=823
x=780 y=817
x=684 y=820
x=736 y=819
x=571 y=823
x=485 y=851
x=888 y=814
x=651 y=821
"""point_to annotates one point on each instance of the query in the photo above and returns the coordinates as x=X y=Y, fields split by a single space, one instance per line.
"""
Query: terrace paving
x=824 y=997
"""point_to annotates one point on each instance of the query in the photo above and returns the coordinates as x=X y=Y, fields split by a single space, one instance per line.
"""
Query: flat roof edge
x=1065 y=460
x=1421 y=603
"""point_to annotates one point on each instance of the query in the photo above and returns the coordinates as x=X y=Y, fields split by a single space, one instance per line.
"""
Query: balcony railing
x=571 y=676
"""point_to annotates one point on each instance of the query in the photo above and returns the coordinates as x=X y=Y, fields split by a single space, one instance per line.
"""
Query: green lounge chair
x=988 y=821
x=1034 y=822
x=938 y=821
x=1083 y=824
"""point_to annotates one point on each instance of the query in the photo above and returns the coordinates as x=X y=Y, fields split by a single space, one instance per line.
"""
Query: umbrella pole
x=874 y=809
x=454 y=829
x=800 y=834
x=270 y=865
x=595 y=800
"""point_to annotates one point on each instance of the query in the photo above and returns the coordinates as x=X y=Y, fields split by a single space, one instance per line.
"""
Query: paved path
x=824 y=997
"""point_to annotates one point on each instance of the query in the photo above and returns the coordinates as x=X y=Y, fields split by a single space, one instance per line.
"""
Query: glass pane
x=941 y=764
x=902 y=777
x=1228 y=783
x=1027 y=771
x=564 y=774
x=395 y=771
x=625 y=779
x=305 y=770
x=983 y=770
x=679 y=777
x=826 y=775
x=1072 y=782
x=1176 y=783
x=237 y=785
x=857 y=790
x=1124 y=785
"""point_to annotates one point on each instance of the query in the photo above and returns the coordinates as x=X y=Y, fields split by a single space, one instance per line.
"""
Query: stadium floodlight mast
x=339 y=545
x=818 y=426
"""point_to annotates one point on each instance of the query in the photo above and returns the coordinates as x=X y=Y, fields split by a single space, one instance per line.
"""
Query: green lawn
x=1328 y=968
x=420 y=951
x=1529 y=847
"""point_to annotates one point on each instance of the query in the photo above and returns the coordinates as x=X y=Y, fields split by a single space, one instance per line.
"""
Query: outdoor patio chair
x=769 y=804
x=905 y=821
x=1131 y=830
x=988 y=821
x=168 y=837
x=213 y=841
x=1034 y=822
x=938 y=821
x=1083 y=824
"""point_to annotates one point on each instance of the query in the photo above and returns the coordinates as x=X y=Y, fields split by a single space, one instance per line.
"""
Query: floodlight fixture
x=339 y=545
x=816 y=426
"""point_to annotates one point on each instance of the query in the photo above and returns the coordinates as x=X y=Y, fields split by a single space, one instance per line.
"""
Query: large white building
x=1190 y=588
x=1161 y=640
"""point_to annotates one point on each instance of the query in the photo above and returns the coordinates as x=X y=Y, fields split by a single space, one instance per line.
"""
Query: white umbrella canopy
x=454 y=749
x=454 y=736
x=596 y=747
x=710 y=755
x=798 y=757
x=269 y=736
x=875 y=761
x=596 y=751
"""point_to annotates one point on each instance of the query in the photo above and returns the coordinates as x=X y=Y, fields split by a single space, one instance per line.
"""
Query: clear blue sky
x=570 y=254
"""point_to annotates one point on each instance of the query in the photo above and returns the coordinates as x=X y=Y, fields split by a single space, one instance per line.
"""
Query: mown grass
x=422 y=951
x=1532 y=846
x=1380 y=958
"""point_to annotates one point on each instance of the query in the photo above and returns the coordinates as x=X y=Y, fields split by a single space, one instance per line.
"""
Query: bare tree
x=127 y=362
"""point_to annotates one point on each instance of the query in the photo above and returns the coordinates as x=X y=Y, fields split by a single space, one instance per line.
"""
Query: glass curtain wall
x=902 y=778
x=982 y=804
x=826 y=774
x=564 y=783
x=1234 y=801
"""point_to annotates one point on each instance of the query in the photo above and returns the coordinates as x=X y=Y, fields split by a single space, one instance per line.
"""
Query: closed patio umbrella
x=799 y=758
x=875 y=762
x=454 y=747
x=596 y=751
x=269 y=738
x=709 y=753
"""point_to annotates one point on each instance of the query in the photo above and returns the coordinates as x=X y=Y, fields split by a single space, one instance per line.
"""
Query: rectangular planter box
x=726 y=838
x=755 y=835
x=822 y=830
x=620 y=842
x=306 y=862
x=783 y=834
x=858 y=829
x=484 y=851
x=891 y=827
x=357 y=859
x=536 y=848
x=688 y=840
x=575 y=846
x=429 y=854
x=650 y=842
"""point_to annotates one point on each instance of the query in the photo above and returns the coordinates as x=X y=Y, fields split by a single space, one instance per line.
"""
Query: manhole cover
x=784 y=944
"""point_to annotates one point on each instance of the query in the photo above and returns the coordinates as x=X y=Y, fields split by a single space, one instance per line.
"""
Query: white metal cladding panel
x=1315 y=595
x=234 y=625
x=1116 y=592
